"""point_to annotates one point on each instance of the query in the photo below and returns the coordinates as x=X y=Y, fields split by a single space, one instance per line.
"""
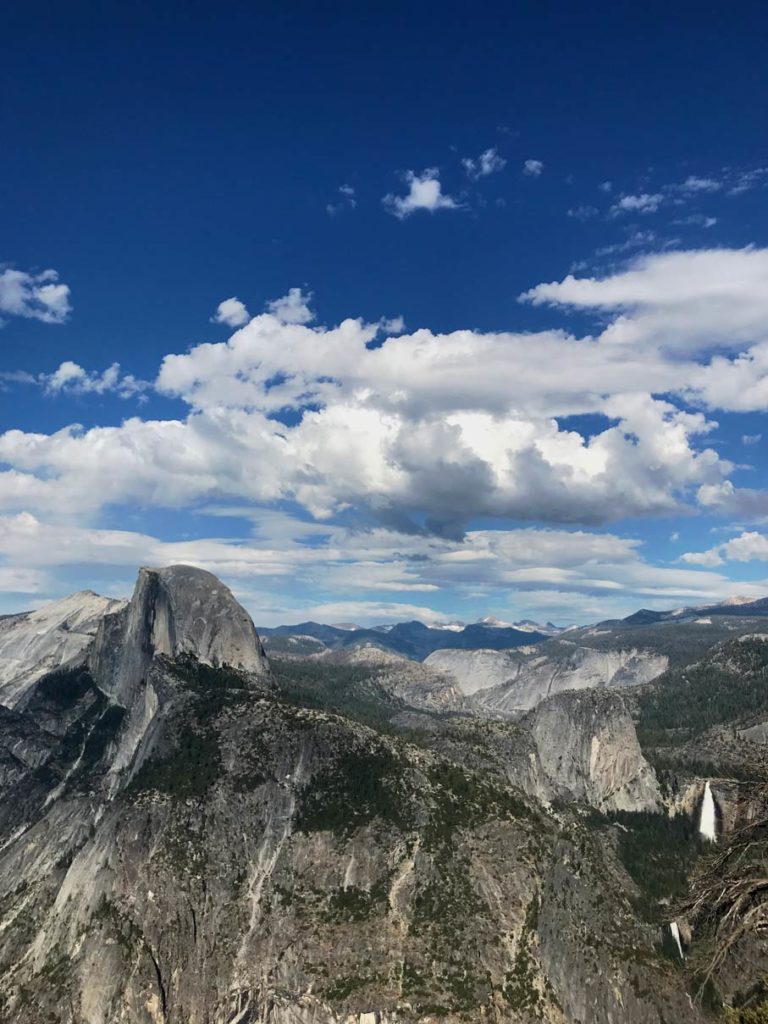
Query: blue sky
x=418 y=312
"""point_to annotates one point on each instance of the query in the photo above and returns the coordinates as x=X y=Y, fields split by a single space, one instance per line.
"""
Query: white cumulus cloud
x=440 y=428
x=418 y=435
x=392 y=325
x=292 y=308
x=71 y=378
x=424 y=193
x=749 y=546
x=33 y=296
x=685 y=300
x=231 y=312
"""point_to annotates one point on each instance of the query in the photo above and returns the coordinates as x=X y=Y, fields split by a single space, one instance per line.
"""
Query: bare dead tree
x=728 y=898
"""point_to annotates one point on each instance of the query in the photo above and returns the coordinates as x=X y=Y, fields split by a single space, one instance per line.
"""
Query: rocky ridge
x=510 y=681
x=51 y=637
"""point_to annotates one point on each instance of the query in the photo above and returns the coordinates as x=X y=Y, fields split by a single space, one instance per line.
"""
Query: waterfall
x=708 y=820
x=676 y=936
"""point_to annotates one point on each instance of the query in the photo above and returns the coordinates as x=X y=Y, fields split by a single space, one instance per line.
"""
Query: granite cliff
x=59 y=634
x=511 y=681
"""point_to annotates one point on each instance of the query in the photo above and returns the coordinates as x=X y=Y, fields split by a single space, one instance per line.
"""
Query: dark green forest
x=730 y=685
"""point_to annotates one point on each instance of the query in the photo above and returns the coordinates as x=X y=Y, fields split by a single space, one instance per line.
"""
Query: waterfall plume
x=708 y=819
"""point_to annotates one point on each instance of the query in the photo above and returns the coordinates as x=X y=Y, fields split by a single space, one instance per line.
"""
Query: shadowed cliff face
x=181 y=843
x=175 y=611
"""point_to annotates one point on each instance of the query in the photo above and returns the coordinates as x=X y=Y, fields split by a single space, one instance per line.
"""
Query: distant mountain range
x=413 y=639
x=416 y=640
x=732 y=607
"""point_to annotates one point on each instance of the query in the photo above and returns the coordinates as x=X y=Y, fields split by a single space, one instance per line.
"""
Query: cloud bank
x=419 y=436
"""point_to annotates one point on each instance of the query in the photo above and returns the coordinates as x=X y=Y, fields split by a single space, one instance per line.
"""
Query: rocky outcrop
x=176 y=611
x=566 y=667
x=476 y=670
x=574 y=747
x=587 y=750
x=54 y=636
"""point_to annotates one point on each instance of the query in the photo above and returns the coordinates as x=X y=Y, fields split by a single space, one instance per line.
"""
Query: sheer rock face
x=55 y=636
x=587 y=750
x=174 y=611
x=530 y=679
x=579 y=746
x=475 y=670
x=580 y=740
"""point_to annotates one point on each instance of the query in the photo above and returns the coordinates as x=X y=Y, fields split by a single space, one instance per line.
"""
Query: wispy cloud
x=694 y=185
x=645 y=203
x=583 y=212
x=727 y=180
x=348 y=200
x=33 y=296
x=489 y=162
x=637 y=240
x=533 y=168
x=745 y=181
x=71 y=378
x=561 y=566
x=696 y=220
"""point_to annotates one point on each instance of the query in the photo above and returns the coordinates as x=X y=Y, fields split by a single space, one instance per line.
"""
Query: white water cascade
x=676 y=936
x=708 y=820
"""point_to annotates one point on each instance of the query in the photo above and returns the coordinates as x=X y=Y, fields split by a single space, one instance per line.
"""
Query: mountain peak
x=175 y=610
x=54 y=636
